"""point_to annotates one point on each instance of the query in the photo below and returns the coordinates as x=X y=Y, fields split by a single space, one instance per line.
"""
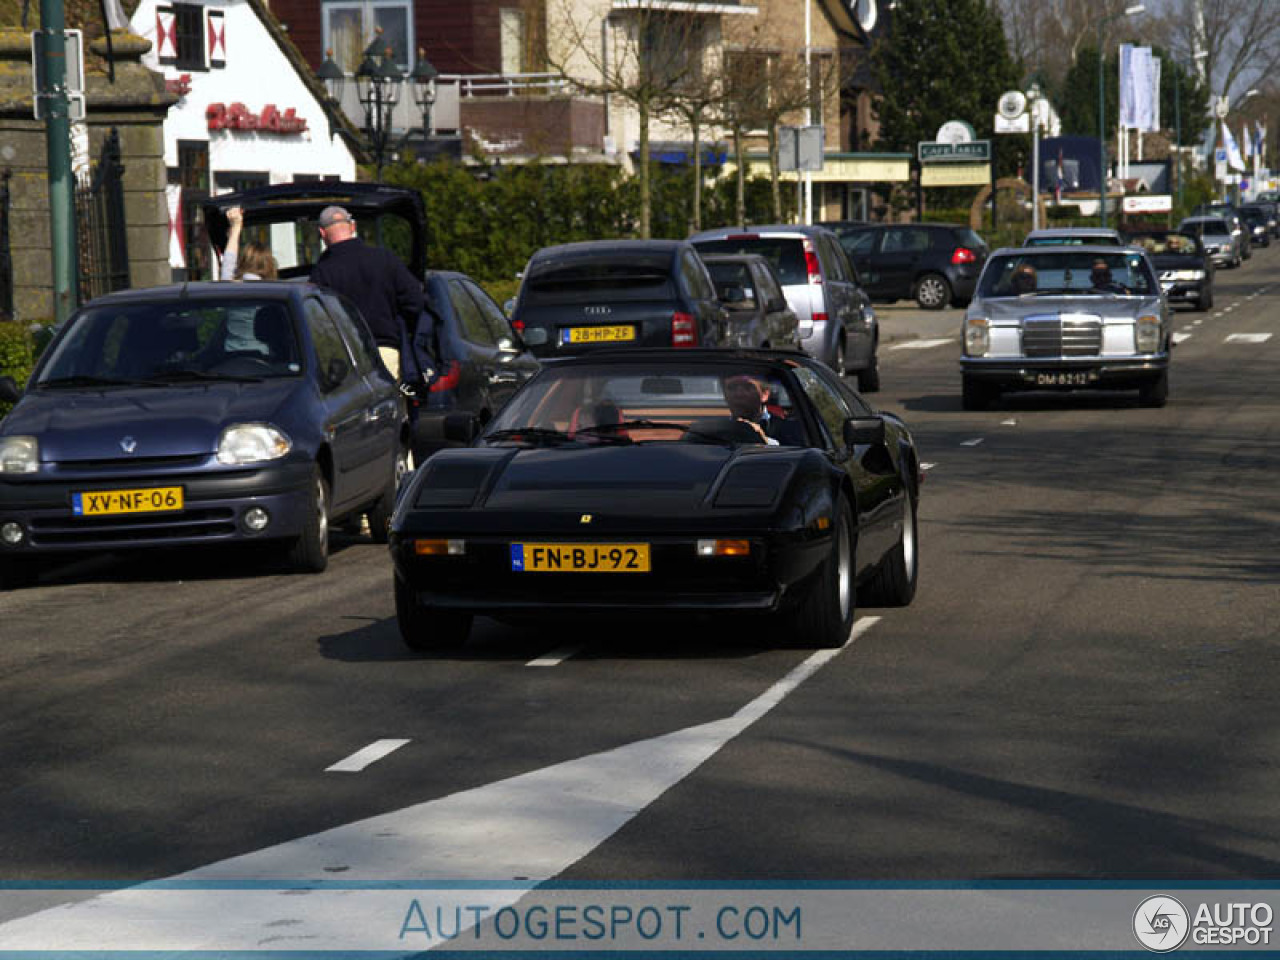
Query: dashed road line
x=1011 y=422
x=363 y=757
x=922 y=344
x=927 y=466
x=1247 y=338
x=971 y=443
x=1180 y=337
x=555 y=657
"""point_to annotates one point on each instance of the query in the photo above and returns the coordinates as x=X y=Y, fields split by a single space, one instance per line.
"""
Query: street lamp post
x=1102 y=104
x=1033 y=95
x=424 y=93
x=378 y=87
x=1177 y=118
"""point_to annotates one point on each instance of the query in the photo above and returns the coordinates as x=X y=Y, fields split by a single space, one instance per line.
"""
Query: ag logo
x=1161 y=923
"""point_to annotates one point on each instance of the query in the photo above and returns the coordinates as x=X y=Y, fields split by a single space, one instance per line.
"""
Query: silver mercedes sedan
x=1066 y=318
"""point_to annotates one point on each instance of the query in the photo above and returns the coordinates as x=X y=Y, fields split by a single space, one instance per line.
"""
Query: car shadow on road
x=1024 y=402
x=582 y=640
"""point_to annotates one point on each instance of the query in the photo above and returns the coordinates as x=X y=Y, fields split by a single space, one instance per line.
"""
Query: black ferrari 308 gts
x=665 y=482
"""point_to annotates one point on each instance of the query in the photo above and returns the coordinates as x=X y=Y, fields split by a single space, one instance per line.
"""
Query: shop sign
x=237 y=116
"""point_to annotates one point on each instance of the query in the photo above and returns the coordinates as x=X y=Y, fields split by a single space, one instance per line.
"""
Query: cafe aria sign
x=237 y=116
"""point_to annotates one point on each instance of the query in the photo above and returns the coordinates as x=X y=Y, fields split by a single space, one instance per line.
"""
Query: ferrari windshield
x=642 y=402
x=1074 y=272
x=178 y=341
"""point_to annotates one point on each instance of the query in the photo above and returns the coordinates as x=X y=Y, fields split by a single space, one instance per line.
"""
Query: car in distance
x=579 y=297
x=935 y=264
x=1044 y=319
x=200 y=414
x=1231 y=213
x=758 y=312
x=1185 y=269
x=1258 y=225
x=639 y=483
x=837 y=322
x=482 y=361
x=1073 y=237
x=1224 y=247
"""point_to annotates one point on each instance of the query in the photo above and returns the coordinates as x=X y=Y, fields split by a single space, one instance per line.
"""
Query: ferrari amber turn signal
x=440 y=548
x=724 y=548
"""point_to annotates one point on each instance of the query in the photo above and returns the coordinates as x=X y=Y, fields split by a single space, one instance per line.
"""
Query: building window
x=189 y=22
x=512 y=40
x=235 y=181
x=351 y=25
x=672 y=47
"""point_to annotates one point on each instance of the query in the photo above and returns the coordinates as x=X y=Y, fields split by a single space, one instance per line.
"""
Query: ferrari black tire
x=309 y=553
x=933 y=292
x=380 y=515
x=869 y=376
x=422 y=629
x=1205 y=303
x=975 y=395
x=894 y=583
x=1155 y=393
x=824 y=615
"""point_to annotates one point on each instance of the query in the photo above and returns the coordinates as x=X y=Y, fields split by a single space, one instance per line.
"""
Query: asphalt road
x=1084 y=686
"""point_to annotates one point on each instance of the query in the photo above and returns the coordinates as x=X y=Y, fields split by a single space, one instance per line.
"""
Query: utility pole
x=56 y=108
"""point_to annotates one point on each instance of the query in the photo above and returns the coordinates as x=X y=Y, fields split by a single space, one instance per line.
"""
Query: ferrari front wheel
x=825 y=615
x=421 y=629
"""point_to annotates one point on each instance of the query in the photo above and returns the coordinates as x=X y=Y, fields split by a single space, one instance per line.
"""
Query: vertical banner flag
x=1139 y=88
x=1234 y=160
x=1125 y=85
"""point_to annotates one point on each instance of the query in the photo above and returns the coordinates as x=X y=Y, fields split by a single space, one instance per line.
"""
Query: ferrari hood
x=143 y=422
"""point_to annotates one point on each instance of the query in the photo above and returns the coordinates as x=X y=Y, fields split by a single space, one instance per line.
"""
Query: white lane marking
x=1215 y=316
x=927 y=466
x=971 y=443
x=1180 y=336
x=1198 y=322
x=1011 y=422
x=362 y=758
x=1247 y=338
x=528 y=828
x=921 y=344
x=555 y=657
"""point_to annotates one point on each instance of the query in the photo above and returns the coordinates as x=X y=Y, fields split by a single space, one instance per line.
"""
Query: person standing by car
x=388 y=296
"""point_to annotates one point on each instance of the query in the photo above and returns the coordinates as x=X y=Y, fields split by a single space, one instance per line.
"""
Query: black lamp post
x=333 y=76
x=378 y=83
x=424 y=92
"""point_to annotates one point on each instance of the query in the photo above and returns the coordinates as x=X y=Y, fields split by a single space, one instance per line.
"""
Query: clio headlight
x=1146 y=334
x=252 y=443
x=19 y=455
x=977 y=336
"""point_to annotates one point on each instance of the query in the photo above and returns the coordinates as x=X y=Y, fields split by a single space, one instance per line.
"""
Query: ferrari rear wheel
x=894 y=583
x=422 y=629
x=825 y=616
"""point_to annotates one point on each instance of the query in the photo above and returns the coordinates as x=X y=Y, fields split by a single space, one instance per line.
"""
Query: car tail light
x=517 y=326
x=964 y=255
x=447 y=380
x=811 y=265
x=684 y=330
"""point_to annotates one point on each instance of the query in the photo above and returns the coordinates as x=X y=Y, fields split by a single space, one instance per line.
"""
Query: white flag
x=1234 y=160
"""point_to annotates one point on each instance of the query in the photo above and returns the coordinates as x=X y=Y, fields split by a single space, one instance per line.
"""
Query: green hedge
x=17 y=355
x=486 y=221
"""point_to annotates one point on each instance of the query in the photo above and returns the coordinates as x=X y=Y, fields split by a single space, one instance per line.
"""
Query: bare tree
x=1240 y=40
x=695 y=104
x=642 y=56
x=746 y=88
x=1048 y=35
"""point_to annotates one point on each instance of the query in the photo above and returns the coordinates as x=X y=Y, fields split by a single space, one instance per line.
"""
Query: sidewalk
x=906 y=321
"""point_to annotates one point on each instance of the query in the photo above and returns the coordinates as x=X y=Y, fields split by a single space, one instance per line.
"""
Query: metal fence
x=6 y=259
x=100 y=224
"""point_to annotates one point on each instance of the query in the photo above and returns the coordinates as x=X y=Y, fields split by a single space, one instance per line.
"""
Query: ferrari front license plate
x=96 y=503
x=580 y=557
x=1074 y=378
x=597 y=334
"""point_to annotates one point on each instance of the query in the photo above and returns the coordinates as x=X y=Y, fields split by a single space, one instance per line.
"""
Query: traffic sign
x=935 y=151
x=801 y=148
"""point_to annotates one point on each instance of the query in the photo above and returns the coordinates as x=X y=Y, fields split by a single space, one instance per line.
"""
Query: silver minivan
x=836 y=321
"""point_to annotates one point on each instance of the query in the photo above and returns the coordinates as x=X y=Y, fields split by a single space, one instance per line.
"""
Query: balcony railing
x=506 y=84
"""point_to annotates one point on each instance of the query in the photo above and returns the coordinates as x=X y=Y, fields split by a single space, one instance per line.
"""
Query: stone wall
x=135 y=104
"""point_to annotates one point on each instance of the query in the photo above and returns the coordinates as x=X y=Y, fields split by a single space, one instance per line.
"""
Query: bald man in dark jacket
x=388 y=296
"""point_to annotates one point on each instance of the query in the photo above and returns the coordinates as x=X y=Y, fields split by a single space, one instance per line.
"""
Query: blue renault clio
x=198 y=414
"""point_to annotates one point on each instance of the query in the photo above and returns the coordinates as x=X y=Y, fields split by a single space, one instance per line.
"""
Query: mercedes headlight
x=252 y=443
x=977 y=336
x=19 y=455
x=1146 y=334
